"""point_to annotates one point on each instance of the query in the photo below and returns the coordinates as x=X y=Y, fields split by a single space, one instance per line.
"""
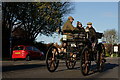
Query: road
x=37 y=69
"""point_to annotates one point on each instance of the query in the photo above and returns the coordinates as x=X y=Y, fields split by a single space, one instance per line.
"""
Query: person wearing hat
x=79 y=27
x=68 y=25
x=92 y=34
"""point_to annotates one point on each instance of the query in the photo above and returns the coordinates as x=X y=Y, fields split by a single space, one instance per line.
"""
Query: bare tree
x=110 y=36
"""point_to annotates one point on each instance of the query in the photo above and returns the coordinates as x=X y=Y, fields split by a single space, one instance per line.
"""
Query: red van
x=26 y=52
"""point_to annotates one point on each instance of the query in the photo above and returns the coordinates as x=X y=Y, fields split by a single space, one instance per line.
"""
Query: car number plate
x=17 y=53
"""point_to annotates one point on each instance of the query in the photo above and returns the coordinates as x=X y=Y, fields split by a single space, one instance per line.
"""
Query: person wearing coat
x=80 y=27
x=68 y=25
x=92 y=34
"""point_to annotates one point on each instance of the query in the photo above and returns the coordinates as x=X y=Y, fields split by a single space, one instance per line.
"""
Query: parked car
x=26 y=52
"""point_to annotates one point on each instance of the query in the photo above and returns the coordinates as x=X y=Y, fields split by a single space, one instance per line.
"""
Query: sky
x=103 y=15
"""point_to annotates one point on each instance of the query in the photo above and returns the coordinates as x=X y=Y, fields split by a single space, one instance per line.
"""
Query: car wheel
x=14 y=59
x=42 y=58
x=28 y=58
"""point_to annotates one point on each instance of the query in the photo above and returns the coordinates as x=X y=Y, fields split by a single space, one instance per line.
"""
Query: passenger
x=92 y=34
x=80 y=27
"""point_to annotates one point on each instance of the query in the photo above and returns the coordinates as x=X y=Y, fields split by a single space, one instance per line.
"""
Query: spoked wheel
x=85 y=62
x=101 y=57
x=70 y=61
x=52 y=59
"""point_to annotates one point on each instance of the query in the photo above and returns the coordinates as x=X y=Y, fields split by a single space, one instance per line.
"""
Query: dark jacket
x=81 y=29
x=92 y=34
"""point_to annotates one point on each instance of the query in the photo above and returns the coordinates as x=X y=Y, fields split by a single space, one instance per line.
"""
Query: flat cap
x=70 y=17
x=89 y=23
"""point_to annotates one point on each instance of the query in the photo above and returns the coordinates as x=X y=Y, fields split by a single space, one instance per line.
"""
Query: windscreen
x=19 y=48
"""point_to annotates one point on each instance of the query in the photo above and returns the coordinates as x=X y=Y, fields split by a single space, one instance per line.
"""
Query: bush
x=107 y=54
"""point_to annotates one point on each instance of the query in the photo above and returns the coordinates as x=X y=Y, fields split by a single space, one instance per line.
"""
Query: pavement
x=37 y=69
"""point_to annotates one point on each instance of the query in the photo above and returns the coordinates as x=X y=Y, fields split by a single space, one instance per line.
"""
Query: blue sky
x=103 y=15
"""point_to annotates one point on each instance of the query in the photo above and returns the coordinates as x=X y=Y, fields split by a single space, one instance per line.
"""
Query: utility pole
x=112 y=45
x=11 y=41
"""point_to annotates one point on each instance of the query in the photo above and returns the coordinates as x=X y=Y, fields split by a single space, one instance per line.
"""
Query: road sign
x=115 y=48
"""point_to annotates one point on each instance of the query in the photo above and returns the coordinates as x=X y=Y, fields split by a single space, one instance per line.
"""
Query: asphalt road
x=37 y=69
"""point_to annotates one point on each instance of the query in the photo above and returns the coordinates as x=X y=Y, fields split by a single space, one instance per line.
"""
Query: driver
x=68 y=25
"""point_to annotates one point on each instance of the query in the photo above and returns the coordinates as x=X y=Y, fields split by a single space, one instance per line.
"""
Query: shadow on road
x=20 y=67
x=110 y=66
x=76 y=68
x=93 y=69
x=107 y=67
